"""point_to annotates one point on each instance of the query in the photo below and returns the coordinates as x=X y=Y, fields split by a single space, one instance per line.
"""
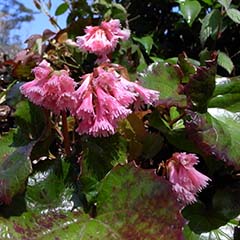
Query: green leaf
x=209 y=2
x=152 y=144
x=223 y=233
x=190 y=10
x=146 y=41
x=173 y=135
x=30 y=120
x=226 y=200
x=15 y=167
x=228 y=101
x=203 y=219
x=210 y=25
x=101 y=154
x=216 y=221
x=47 y=190
x=225 y=61
x=142 y=63
x=189 y=234
x=50 y=225
x=165 y=78
x=141 y=143
x=186 y=66
x=226 y=94
x=216 y=133
x=118 y=11
x=138 y=204
x=33 y=125
x=61 y=9
x=102 y=6
x=201 y=86
x=14 y=95
x=226 y=85
x=225 y=3
x=5 y=147
x=128 y=208
x=234 y=14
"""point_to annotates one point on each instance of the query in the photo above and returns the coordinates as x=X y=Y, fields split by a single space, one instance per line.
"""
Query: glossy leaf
x=189 y=234
x=165 y=78
x=152 y=144
x=225 y=200
x=142 y=62
x=226 y=85
x=118 y=11
x=141 y=143
x=31 y=121
x=202 y=219
x=101 y=154
x=49 y=225
x=210 y=25
x=190 y=10
x=177 y=137
x=216 y=133
x=225 y=61
x=14 y=95
x=187 y=67
x=134 y=132
x=146 y=41
x=61 y=9
x=47 y=189
x=223 y=233
x=15 y=167
x=209 y=2
x=6 y=147
x=215 y=221
x=139 y=209
x=234 y=14
x=201 y=86
x=127 y=208
x=226 y=94
x=225 y=3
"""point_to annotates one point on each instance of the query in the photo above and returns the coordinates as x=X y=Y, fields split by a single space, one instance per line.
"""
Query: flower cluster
x=102 y=40
x=186 y=180
x=104 y=97
x=50 y=89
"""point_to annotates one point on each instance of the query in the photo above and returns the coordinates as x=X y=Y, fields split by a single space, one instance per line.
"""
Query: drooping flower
x=186 y=180
x=50 y=89
x=101 y=40
x=104 y=98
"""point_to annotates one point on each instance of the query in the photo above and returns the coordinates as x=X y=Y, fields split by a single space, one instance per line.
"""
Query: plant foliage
x=59 y=182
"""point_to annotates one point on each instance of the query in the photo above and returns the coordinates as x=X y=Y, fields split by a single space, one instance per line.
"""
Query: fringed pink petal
x=105 y=97
x=184 y=177
x=102 y=40
x=50 y=89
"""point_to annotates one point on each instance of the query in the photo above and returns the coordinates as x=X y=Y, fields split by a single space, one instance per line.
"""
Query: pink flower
x=186 y=180
x=102 y=39
x=104 y=98
x=50 y=89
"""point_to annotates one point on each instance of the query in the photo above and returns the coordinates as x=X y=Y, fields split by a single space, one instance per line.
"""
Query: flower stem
x=66 y=140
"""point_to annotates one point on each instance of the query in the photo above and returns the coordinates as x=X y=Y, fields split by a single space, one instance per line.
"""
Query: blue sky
x=41 y=22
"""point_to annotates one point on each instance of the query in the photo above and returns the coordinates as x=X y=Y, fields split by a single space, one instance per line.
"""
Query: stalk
x=66 y=140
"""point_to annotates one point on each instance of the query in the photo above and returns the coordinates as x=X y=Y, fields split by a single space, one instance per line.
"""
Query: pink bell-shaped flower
x=186 y=180
x=104 y=98
x=102 y=40
x=50 y=89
